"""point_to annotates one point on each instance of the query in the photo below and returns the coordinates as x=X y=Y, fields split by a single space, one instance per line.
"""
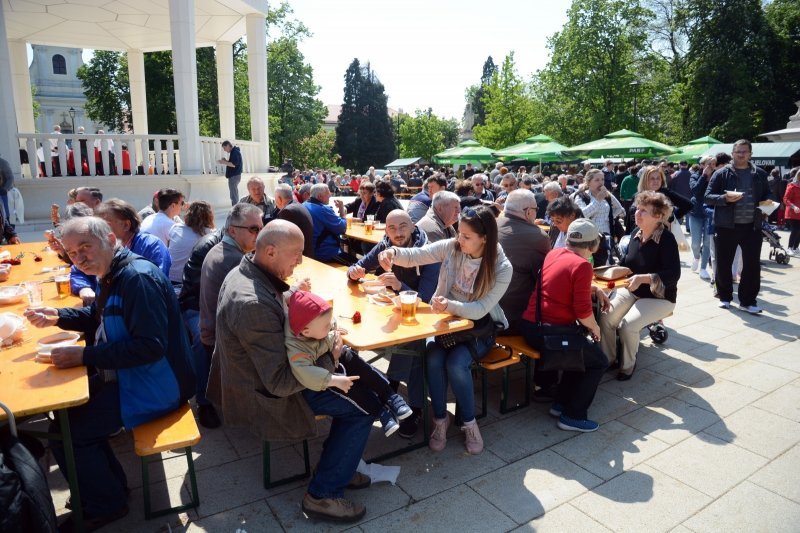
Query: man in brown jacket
x=252 y=385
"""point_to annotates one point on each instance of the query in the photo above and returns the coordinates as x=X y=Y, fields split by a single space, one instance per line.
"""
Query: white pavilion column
x=9 y=145
x=138 y=99
x=23 y=100
x=184 y=68
x=227 y=117
x=257 y=76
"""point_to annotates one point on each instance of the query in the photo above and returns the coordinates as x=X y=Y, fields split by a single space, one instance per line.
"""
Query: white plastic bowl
x=56 y=340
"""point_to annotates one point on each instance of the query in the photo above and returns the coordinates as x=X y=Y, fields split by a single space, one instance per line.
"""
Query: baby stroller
x=776 y=251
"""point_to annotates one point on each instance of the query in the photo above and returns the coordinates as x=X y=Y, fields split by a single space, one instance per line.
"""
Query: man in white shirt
x=170 y=203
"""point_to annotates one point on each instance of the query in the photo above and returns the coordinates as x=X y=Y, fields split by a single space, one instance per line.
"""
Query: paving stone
x=607 y=406
x=782 y=475
x=164 y=494
x=256 y=516
x=784 y=402
x=670 y=420
x=610 y=450
x=560 y=519
x=689 y=372
x=757 y=430
x=718 y=395
x=642 y=499
x=424 y=472
x=524 y=434
x=458 y=509
x=784 y=356
x=707 y=464
x=643 y=388
x=747 y=507
x=532 y=486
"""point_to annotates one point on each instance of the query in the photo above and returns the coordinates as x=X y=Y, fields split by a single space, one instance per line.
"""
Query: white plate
x=12 y=295
x=737 y=193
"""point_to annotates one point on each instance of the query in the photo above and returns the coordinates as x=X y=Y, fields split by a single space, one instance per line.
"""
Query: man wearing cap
x=252 y=385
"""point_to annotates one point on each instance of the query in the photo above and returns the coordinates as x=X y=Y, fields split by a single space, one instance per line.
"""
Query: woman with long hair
x=474 y=276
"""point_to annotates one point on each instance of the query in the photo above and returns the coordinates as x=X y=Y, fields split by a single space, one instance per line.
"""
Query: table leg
x=72 y=473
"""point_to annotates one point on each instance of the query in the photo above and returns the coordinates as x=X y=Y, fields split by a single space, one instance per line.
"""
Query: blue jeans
x=453 y=366
x=701 y=239
x=101 y=479
x=4 y=197
x=201 y=362
x=344 y=446
x=233 y=188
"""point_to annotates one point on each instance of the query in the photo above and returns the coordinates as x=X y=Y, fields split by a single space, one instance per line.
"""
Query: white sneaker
x=704 y=275
x=724 y=305
x=752 y=309
x=695 y=264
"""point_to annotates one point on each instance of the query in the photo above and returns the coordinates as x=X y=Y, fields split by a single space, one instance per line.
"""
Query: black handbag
x=562 y=346
x=483 y=327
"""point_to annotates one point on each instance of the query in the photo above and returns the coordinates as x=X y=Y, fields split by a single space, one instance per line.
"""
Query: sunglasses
x=469 y=212
x=252 y=229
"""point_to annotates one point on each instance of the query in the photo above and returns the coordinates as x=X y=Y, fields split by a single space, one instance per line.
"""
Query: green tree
x=316 y=151
x=364 y=134
x=295 y=113
x=509 y=108
x=105 y=84
x=421 y=136
x=730 y=89
x=784 y=18
x=586 y=88
x=160 y=87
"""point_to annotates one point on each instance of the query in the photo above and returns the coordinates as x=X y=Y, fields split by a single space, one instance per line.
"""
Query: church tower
x=54 y=74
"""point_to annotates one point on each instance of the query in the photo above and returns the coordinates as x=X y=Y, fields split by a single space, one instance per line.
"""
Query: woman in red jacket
x=792 y=202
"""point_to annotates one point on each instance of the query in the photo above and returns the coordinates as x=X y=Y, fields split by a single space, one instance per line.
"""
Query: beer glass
x=62 y=286
x=408 y=306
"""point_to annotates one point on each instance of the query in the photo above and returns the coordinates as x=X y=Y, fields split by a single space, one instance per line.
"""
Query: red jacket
x=792 y=197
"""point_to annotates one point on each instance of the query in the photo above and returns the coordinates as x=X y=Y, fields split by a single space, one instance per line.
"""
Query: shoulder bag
x=562 y=346
x=483 y=327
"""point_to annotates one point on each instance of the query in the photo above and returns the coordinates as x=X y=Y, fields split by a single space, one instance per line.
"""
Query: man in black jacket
x=735 y=191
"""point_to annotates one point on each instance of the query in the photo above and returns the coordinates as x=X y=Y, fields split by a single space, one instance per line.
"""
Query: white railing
x=52 y=154
x=212 y=152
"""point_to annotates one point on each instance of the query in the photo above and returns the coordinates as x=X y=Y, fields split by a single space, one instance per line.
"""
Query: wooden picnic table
x=28 y=387
x=357 y=231
x=381 y=326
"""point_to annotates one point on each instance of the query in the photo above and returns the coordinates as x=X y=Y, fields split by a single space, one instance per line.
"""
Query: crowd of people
x=176 y=308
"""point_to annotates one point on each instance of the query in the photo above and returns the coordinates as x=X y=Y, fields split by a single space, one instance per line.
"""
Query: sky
x=426 y=53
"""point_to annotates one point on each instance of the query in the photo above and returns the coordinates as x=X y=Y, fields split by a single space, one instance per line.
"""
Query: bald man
x=401 y=233
x=252 y=386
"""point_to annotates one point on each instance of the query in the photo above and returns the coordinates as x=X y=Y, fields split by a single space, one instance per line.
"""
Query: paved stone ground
x=705 y=437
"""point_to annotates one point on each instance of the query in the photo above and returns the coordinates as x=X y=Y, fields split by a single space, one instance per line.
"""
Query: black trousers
x=794 y=236
x=371 y=391
x=726 y=240
x=577 y=389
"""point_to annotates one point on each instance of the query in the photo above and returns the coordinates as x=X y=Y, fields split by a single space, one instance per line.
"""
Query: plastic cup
x=34 y=289
x=408 y=306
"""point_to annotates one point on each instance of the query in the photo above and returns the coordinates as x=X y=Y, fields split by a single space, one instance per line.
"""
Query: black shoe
x=546 y=394
x=91 y=523
x=208 y=417
x=410 y=426
x=626 y=377
x=613 y=366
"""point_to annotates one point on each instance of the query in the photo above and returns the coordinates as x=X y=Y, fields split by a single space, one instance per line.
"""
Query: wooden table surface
x=380 y=326
x=26 y=386
x=356 y=231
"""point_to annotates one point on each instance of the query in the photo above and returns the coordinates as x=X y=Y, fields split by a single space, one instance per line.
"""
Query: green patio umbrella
x=468 y=151
x=694 y=149
x=624 y=144
x=541 y=148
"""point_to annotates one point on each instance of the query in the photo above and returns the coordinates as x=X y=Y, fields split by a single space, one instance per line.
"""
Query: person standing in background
x=233 y=169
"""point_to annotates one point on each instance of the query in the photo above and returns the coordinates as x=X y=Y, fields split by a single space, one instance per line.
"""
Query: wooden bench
x=177 y=429
x=506 y=353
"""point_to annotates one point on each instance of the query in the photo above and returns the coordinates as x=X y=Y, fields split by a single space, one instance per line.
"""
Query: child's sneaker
x=398 y=406
x=388 y=422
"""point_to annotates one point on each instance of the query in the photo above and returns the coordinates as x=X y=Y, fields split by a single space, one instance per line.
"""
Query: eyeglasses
x=252 y=229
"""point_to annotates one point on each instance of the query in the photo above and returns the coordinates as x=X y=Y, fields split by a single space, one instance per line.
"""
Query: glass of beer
x=408 y=306
x=369 y=224
x=349 y=220
x=62 y=286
